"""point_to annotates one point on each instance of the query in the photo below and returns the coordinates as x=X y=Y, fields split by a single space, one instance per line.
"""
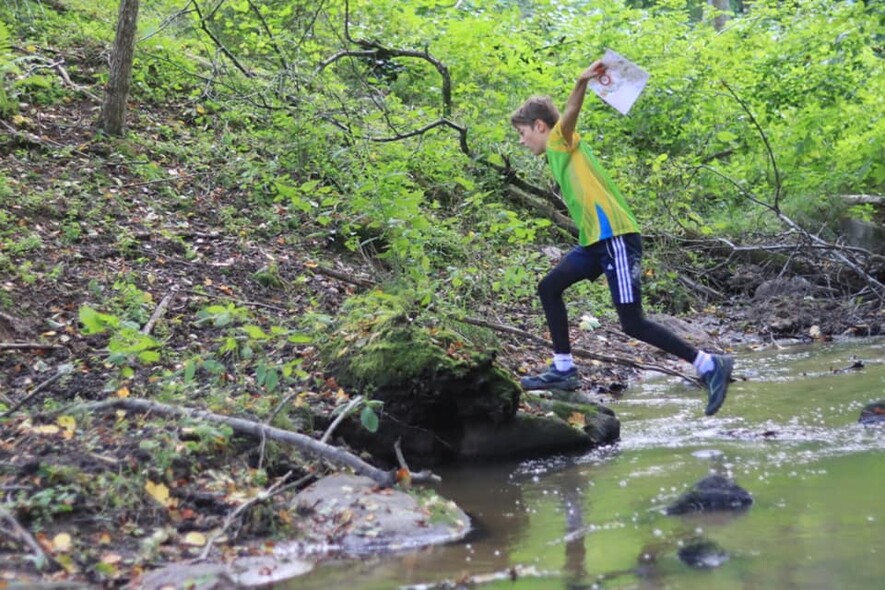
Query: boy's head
x=533 y=121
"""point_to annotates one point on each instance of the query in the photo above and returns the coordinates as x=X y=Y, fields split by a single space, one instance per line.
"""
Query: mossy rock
x=597 y=421
x=428 y=372
x=526 y=436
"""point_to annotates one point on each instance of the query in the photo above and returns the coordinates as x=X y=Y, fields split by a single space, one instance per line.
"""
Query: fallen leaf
x=577 y=419
x=47 y=429
x=69 y=424
x=62 y=542
x=123 y=392
x=194 y=538
x=111 y=558
x=158 y=491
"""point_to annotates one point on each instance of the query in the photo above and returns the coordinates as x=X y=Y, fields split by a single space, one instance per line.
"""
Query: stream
x=788 y=434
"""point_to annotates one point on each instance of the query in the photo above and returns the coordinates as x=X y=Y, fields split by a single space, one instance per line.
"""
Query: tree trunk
x=113 y=110
x=720 y=19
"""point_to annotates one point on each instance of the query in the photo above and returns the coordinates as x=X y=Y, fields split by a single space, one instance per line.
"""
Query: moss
x=424 y=370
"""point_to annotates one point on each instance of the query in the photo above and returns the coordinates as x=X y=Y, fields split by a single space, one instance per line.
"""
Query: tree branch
x=304 y=443
x=218 y=42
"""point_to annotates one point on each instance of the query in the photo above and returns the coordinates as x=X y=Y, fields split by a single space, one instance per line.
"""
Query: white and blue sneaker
x=717 y=381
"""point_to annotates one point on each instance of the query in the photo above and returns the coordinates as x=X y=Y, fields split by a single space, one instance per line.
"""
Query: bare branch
x=60 y=372
x=217 y=41
x=304 y=443
x=771 y=158
x=41 y=559
x=158 y=313
x=273 y=41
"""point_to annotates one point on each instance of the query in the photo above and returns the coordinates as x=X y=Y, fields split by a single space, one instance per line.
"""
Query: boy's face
x=534 y=136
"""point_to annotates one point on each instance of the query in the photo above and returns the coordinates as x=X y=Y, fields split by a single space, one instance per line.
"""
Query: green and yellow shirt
x=593 y=200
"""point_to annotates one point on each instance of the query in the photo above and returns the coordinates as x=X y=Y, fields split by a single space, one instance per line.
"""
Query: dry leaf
x=62 y=542
x=159 y=492
x=69 y=424
x=194 y=538
x=577 y=419
x=123 y=392
x=47 y=429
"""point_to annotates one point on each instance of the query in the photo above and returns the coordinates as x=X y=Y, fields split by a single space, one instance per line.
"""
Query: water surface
x=788 y=434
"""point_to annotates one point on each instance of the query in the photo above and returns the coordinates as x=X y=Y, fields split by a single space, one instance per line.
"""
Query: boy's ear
x=540 y=126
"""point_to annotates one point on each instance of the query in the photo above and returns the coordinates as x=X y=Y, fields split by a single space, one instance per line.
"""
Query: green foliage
x=127 y=346
x=8 y=69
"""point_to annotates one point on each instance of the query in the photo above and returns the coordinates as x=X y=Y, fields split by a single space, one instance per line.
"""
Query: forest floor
x=123 y=229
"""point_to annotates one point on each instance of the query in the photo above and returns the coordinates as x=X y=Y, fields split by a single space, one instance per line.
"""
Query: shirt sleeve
x=557 y=142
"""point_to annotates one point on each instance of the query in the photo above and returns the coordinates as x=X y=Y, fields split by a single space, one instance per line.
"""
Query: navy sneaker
x=552 y=379
x=716 y=381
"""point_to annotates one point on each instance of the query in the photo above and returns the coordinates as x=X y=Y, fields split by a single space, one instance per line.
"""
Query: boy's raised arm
x=572 y=109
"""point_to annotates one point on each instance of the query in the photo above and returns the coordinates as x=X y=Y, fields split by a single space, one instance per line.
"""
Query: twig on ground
x=405 y=475
x=341 y=276
x=27 y=346
x=60 y=372
x=161 y=309
x=237 y=300
x=230 y=518
x=344 y=413
x=41 y=559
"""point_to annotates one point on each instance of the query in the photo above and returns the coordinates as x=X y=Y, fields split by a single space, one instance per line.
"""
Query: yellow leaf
x=104 y=538
x=123 y=392
x=47 y=429
x=577 y=419
x=69 y=424
x=194 y=538
x=67 y=563
x=157 y=491
x=62 y=542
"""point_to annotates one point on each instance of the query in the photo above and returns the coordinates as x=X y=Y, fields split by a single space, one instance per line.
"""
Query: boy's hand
x=596 y=69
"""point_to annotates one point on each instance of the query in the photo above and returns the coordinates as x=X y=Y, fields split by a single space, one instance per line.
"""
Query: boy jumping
x=609 y=243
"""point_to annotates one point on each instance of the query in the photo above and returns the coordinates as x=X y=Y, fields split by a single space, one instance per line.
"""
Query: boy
x=609 y=243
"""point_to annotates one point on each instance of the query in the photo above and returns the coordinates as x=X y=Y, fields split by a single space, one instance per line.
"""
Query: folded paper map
x=621 y=83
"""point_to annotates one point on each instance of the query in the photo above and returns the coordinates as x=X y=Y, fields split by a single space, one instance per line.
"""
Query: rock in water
x=701 y=553
x=873 y=413
x=713 y=493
